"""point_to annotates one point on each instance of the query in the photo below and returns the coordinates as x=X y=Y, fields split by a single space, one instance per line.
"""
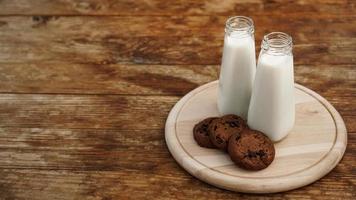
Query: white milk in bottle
x=238 y=67
x=272 y=106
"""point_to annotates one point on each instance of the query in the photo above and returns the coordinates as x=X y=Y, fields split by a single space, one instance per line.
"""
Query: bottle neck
x=239 y=26
x=277 y=43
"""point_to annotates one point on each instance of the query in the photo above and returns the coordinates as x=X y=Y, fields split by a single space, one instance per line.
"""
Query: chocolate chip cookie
x=251 y=150
x=221 y=129
x=201 y=135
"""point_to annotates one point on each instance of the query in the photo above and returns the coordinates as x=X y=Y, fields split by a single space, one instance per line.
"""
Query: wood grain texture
x=151 y=50
x=101 y=111
x=84 y=111
x=108 y=41
x=105 y=79
x=151 y=79
x=181 y=7
x=131 y=184
x=77 y=76
x=84 y=149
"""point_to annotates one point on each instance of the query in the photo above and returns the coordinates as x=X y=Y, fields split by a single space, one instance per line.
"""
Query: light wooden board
x=311 y=150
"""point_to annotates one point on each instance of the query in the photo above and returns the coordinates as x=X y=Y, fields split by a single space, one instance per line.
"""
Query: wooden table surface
x=86 y=87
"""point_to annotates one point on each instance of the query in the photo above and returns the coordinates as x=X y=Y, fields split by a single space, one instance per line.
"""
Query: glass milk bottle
x=272 y=106
x=238 y=67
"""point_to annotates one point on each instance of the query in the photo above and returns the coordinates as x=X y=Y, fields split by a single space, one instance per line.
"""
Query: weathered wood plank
x=97 y=163
x=350 y=122
x=182 y=7
x=57 y=184
x=151 y=79
x=102 y=111
x=92 y=111
x=84 y=149
x=106 y=40
x=97 y=149
x=327 y=80
x=104 y=79
x=162 y=50
x=303 y=28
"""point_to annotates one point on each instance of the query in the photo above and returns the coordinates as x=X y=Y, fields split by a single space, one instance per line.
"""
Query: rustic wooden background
x=86 y=86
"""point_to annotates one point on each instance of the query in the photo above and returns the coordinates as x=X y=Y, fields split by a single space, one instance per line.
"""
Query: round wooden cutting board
x=311 y=150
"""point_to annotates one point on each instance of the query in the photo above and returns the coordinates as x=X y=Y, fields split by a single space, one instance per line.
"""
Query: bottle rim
x=240 y=24
x=278 y=42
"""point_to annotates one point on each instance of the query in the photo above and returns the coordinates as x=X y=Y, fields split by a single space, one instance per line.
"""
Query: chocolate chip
x=238 y=137
x=251 y=154
x=233 y=124
x=205 y=127
x=202 y=132
x=261 y=153
x=219 y=140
